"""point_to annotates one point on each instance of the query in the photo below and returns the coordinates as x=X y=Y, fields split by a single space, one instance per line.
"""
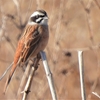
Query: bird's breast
x=43 y=41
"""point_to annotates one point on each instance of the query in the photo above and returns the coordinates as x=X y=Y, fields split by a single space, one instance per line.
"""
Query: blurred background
x=74 y=25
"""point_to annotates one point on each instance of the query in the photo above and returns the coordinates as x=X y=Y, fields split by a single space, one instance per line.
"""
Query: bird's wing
x=27 y=44
x=32 y=40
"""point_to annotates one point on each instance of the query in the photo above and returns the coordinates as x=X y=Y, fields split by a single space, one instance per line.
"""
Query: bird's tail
x=1 y=77
x=10 y=76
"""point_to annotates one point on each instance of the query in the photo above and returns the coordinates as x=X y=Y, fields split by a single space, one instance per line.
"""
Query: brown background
x=73 y=25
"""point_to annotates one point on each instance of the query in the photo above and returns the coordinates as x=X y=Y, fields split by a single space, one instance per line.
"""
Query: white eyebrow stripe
x=36 y=13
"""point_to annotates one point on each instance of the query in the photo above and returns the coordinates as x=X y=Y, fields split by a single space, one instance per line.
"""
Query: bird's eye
x=37 y=16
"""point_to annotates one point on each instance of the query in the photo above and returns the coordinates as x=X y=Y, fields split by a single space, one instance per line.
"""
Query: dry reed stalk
x=22 y=95
x=96 y=94
x=81 y=71
x=32 y=67
x=90 y=27
x=23 y=81
x=49 y=75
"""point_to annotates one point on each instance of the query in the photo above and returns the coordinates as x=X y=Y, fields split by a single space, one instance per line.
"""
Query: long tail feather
x=10 y=76
x=1 y=77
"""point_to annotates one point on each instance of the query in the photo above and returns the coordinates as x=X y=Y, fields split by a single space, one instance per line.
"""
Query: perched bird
x=33 y=40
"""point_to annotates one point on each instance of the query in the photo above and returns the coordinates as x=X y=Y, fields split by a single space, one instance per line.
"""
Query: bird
x=33 y=40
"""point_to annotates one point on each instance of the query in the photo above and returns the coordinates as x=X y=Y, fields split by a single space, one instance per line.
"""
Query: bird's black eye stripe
x=41 y=15
x=37 y=16
x=33 y=19
x=39 y=21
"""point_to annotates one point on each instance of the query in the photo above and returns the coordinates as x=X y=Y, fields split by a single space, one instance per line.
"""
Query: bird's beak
x=46 y=17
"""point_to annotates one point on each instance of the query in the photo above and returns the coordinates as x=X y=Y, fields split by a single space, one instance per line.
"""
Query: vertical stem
x=23 y=81
x=81 y=71
x=49 y=75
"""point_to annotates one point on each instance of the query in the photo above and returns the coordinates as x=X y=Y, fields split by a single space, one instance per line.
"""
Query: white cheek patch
x=37 y=20
x=32 y=23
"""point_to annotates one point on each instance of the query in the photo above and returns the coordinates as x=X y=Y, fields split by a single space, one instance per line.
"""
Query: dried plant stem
x=30 y=73
x=23 y=81
x=26 y=90
x=91 y=33
x=49 y=75
x=22 y=95
x=28 y=84
x=96 y=94
x=81 y=70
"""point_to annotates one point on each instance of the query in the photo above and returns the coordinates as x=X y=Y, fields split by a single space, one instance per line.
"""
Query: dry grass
x=73 y=24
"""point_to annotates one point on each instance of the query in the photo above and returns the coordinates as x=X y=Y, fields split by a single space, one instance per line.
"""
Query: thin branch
x=23 y=81
x=49 y=75
x=1 y=77
x=90 y=27
x=30 y=74
x=81 y=70
x=29 y=81
x=96 y=94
